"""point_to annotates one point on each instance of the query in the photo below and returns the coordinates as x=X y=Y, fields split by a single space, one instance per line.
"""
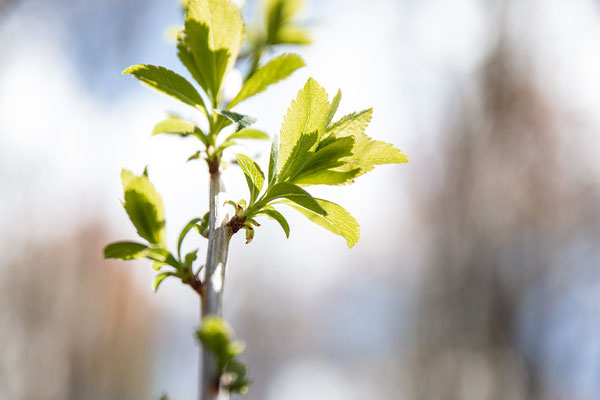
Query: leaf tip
x=131 y=69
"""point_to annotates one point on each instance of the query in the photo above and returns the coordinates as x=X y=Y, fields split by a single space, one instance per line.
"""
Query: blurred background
x=477 y=274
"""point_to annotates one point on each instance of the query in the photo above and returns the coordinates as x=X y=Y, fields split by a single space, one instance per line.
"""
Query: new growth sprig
x=312 y=148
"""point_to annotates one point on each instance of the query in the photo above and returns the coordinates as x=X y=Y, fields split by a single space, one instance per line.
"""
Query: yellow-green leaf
x=248 y=133
x=213 y=34
x=337 y=220
x=319 y=166
x=254 y=175
x=335 y=103
x=144 y=207
x=292 y=34
x=174 y=125
x=275 y=70
x=160 y=278
x=367 y=153
x=166 y=81
x=285 y=190
x=125 y=250
x=306 y=116
x=280 y=28
x=276 y=215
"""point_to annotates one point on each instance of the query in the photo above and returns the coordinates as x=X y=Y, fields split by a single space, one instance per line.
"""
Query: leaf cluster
x=313 y=150
x=216 y=336
x=145 y=209
x=209 y=46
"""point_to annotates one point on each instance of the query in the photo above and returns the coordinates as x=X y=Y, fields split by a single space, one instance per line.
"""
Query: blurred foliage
x=215 y=335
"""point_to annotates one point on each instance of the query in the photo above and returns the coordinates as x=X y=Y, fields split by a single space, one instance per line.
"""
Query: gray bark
x=219 y=235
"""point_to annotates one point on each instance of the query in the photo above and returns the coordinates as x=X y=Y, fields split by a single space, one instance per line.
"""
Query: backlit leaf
x=175 y=126
x=318 y=168
x=305 y=118
x=144 y=207
x=125 y=250
x=335 y=103
x=184 y=233
x=254 y=175
x=160 y=278
x=295 y=194
x=216 y=337
x=162 y=256
x=213 y=35
x=275 y=70
x=248 y=133
x=293 y=35
x=337 y=220
x=278 y=16
x=273 y=157
x=276 y=215
x=166 y=81
x=367 y=153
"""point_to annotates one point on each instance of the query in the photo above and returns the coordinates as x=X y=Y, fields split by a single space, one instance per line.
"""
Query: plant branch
x=219 y=234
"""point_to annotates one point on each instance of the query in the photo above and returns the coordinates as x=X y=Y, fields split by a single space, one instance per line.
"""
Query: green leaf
x=293 y=35
x=319 y=168
x=236 y=377
x=241 y=120
x=189 y=259
x=144 y=207
x=125 y=250
x=213 y=35
x=162 y=256
x=302 y=154
x=275 y=70
x=327 y=177
x=254 y=175
x=215 y=335
x=305 y=118
x=374 y=152
x=166 y=81
x=283 y=10
x=273 y=157
x=335 y=103
x=276 y=215
x=160 y=278
x=367 y=153
x=197 y=155
x=279 y=14
x=294 y=193
x=131 y=250
x=184 y=233
x=329 y=155
x=350 y=125
x=202 y=228
x=337 y=220
x=175 y=126
x=187 y=59
x=157 y=265
x=248 y=133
